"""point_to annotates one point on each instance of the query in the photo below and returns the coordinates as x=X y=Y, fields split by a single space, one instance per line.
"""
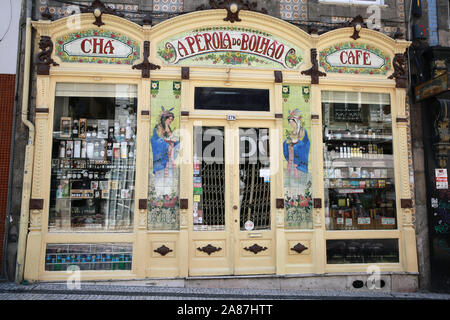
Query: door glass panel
x=254 y=178
x=209 y=179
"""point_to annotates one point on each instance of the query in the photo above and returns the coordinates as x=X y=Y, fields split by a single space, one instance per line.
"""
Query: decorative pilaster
x=406 y=219
x=277 y=167
x=142 y=168
x=185 y=170
x=40 y=185
x=318 y=244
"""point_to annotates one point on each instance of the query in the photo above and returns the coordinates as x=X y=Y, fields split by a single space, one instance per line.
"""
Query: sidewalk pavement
x=146 y=291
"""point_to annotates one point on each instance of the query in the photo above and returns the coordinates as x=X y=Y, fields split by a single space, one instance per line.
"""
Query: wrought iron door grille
x=254 y=178
x=209 y=178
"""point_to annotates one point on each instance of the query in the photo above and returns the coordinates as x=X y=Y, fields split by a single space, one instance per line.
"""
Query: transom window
x=365 y=2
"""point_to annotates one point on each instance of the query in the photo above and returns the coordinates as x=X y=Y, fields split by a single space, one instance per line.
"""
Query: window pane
x=93 y=256
x=254 y=178
x=362 y=251
x=209 y=179
x=93 y=158
x=358 y=161
x=232 y=99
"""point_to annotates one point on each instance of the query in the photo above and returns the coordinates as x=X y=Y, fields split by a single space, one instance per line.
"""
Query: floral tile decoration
x=170 y=53
x=296 y=157
x=164 y=171
x=65 y=57
x=355 y=70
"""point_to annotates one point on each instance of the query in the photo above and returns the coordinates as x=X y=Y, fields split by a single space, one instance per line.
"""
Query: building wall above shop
x=387 y=16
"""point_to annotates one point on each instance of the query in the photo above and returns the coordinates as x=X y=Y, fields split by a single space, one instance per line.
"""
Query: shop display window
x=362 y=251
x=358 y=161
x=93 y=158
x=94 y=256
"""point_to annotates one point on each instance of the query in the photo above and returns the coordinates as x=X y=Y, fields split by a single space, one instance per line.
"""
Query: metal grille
x=254 y=182
x=209 y=178
x=213 y=201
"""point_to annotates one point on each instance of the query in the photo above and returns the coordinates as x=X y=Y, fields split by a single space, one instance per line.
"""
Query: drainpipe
x=29 y=153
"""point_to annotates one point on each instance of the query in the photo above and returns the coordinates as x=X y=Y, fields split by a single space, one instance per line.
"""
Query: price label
x=441 y=179
x=363 y=220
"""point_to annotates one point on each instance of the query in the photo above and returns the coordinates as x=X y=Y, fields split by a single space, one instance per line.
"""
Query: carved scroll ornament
x=399 y=64
x=233 y=8
x=163 y=250
x=145 y=66
x=357 y=23
x=43 y=58
x=209 y=249
x=255 y=248
x=314 y=71
x=299 y=248
x=98 y=8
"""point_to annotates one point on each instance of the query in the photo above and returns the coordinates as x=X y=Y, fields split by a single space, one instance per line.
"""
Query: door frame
x=232 y=258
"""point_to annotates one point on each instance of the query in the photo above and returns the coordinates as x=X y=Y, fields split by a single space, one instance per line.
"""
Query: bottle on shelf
x=75 y=129
x=343 y=151
x=62 y=149
x=94 y=131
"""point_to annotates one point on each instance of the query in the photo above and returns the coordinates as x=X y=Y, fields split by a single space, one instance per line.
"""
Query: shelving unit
x=358 y=168
x=92 y=188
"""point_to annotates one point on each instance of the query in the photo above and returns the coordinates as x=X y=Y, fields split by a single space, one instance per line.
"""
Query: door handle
x=235 y=207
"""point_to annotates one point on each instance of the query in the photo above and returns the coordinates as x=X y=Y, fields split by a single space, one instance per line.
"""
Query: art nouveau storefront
x=237 y=155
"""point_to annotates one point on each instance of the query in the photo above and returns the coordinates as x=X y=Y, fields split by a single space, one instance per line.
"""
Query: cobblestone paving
x=105 y=291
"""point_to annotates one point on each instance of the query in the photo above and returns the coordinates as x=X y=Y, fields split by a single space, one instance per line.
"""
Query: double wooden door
x=232 y=225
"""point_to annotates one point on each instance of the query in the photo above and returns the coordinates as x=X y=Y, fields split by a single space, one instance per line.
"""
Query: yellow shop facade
x=202 y=148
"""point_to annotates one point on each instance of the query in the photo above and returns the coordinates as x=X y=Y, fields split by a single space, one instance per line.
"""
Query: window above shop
x=239 y=99
x=362 y=2
x=293 y=9
x=168 y=5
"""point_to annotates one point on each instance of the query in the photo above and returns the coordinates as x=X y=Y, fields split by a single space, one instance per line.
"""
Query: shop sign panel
x=97 y=46
x=356 y=58
x=432 y=87
x=230 y=47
